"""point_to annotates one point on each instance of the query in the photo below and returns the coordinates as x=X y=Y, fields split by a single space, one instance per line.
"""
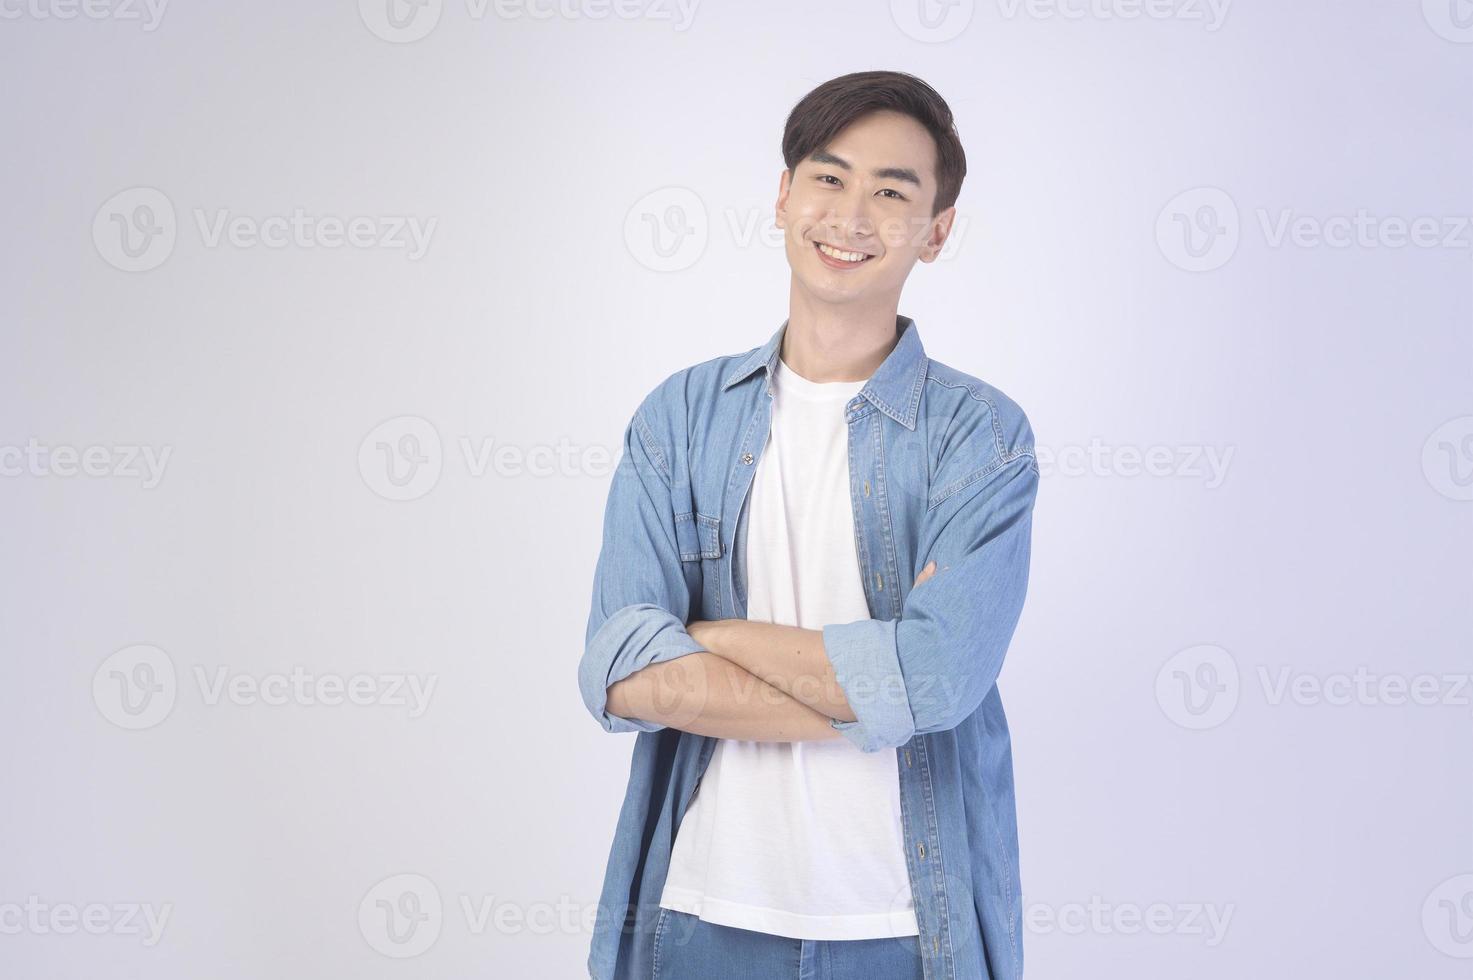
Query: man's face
x=869 y=192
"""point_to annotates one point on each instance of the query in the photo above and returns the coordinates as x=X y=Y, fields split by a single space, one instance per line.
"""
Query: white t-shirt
x=798 y=839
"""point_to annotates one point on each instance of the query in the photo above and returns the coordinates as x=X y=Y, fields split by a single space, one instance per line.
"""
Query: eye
x=890 y=190
x=828 y=177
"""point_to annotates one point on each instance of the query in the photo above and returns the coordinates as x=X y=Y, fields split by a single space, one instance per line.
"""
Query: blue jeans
x=690 y=948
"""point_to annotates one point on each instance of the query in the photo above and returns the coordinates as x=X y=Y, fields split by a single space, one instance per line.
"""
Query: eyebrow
x=884 y=173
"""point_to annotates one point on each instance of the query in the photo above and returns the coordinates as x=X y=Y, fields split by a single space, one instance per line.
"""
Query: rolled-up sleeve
x=641 y=596
x=930 y=669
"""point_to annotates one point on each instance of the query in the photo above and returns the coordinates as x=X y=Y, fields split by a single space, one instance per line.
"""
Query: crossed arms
x=647 y=666
x=755 y=681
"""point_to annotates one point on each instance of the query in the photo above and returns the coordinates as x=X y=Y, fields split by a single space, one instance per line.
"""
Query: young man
x=814 y=556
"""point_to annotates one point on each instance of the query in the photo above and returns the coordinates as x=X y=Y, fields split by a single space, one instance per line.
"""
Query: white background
x=1334 y=381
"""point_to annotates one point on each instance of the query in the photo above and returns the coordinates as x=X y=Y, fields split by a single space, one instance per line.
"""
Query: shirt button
x=747 y=458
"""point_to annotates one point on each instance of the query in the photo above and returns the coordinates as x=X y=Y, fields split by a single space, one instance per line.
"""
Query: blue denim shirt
x=941 y=466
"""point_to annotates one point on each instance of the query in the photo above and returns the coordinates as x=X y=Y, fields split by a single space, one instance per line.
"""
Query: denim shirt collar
x=894 y=388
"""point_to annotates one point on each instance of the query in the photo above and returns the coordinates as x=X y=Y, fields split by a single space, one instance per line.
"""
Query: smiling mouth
x=840 y=258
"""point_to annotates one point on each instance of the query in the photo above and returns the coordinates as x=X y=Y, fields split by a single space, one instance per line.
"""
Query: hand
x=926 y=573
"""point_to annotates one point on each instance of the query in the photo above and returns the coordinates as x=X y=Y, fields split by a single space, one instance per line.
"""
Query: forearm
x=707 y=694
x=787 y=658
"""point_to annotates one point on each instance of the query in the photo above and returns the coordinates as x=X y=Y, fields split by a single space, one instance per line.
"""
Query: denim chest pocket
x=699 y=538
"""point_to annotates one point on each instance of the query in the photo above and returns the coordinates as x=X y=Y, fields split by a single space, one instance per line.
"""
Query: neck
x=831 y=344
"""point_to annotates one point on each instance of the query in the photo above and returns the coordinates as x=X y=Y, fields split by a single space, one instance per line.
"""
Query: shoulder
x=666 y=410
x=696 y=381
x=970 y=410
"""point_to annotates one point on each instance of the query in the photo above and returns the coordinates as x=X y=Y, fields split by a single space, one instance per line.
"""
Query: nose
x=850 y=223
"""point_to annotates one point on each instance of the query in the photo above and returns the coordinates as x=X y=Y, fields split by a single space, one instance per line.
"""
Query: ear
x=936 y=234
x=784 y=184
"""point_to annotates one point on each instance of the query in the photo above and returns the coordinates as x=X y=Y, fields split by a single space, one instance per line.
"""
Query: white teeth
x=841 y=256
